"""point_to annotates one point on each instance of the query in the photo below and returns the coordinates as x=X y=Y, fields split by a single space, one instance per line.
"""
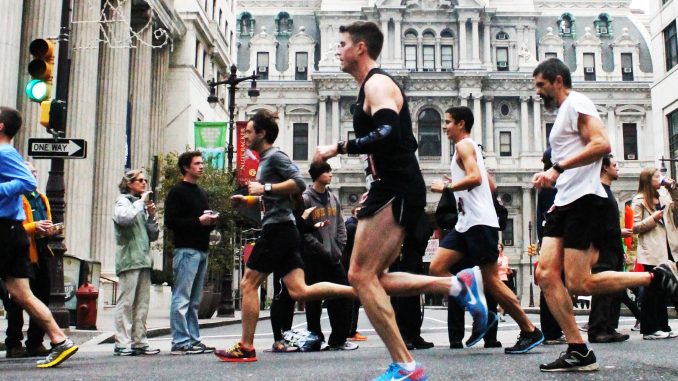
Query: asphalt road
x=634 y=360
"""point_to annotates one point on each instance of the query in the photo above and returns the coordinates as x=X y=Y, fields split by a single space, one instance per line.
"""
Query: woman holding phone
x=654 y=220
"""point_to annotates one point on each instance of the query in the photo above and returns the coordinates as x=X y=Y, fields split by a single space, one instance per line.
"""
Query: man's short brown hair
x=367 y=32
x=12 y=120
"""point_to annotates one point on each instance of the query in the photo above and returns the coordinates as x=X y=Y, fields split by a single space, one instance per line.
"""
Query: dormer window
x=283 y=23
x=502 y=35
x=603 y=25
x=245 y=24
x=566 y=25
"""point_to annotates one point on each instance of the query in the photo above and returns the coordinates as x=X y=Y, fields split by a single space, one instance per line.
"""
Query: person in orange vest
x=38 y=225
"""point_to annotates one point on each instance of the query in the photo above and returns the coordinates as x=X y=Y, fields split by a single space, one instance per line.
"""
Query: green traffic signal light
x=37 y=90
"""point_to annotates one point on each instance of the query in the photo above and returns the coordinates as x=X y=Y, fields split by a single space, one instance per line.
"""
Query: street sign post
x=48 y=148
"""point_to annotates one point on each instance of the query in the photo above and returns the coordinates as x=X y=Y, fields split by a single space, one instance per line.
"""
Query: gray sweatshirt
x=326 y=243
x=276 y=167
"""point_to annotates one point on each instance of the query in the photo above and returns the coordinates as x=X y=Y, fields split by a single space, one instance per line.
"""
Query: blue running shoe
x=472 y=297
x=396 y=373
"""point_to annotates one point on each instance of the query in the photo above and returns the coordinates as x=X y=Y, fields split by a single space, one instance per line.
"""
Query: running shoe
x=557 y=341
x=357 y=337
x=346 y=346
x=117 y=351
x=145 y=351
x=472 y=297
x=636 y=327
x=237 y=353
x=58 y=354
x=659 y=335
x=205 y=348
x=185 y=350
x=572 y=362
x=397 y=373
x=526 y=342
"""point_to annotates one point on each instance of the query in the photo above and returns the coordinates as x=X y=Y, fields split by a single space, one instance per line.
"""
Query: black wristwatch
x=268 y=187
x=340 y=146
x=557 y=167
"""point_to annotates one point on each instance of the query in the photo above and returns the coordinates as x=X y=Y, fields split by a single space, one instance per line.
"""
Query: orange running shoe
x=237 y=353
x=357 y=337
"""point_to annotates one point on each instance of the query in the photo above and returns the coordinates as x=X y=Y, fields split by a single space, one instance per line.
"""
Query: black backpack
x=502 y=213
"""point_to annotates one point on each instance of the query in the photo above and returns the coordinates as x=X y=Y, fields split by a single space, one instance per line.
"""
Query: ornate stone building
x=477 y=53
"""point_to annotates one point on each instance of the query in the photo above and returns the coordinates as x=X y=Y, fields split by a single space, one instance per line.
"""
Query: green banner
x=210 y=139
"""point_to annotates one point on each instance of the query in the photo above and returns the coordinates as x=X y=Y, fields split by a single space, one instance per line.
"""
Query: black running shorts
x=580 y=223
x=407 y=208
x=277 y=250
x=14 y=246
x=479 y=244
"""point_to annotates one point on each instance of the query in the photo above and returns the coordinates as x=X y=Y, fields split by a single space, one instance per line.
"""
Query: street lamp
x=232 y=81
x=663 y=169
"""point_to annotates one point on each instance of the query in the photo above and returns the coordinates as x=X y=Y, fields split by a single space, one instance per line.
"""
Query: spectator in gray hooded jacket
x=135 y=229
x=323 y=247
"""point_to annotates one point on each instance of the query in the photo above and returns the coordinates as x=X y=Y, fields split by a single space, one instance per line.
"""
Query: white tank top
x=475 y=206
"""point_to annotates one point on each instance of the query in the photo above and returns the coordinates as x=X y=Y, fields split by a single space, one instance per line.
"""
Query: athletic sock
x=408 y=366
x=57 y=344
x=455 y=286
x=581 y=348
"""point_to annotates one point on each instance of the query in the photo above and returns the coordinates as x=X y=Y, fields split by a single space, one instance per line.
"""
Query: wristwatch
x=268 y=187
x=557 y=167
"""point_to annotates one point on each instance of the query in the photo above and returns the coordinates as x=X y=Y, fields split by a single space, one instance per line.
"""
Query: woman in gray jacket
x=654 y=220
x=135 y=229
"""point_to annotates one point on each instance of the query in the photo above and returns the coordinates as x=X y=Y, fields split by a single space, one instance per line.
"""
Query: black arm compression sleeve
x=386 y=135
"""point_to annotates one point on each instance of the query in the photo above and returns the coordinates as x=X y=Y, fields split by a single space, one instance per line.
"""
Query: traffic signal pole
x=55 y=182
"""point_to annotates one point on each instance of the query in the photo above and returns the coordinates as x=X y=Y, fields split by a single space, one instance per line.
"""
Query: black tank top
x=393 y=167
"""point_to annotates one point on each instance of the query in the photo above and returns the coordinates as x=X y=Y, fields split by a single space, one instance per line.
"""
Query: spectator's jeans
x=189 y=266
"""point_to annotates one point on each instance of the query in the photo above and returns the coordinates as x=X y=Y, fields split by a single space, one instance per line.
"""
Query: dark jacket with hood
x=325 y=243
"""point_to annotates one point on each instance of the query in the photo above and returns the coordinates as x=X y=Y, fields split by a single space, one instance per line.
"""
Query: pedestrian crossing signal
x=40 y=69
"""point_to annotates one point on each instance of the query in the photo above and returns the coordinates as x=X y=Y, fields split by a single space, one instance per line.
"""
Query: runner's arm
x=593 y=134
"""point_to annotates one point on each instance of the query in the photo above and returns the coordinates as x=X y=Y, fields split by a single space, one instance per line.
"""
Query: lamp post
x=232 y=81
x=226 y=307
x=531 y=253
x=663 y=169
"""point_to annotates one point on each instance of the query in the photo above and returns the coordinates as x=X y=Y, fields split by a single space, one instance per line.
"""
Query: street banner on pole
x=247 y=161
x=210 y=139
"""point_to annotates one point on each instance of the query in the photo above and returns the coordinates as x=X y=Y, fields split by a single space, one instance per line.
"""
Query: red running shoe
x=237 y=353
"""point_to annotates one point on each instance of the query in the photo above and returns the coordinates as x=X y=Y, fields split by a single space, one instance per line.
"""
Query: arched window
x=245 y=24
x=430 y=125
x=603 y=25
x=566 y=25
x=502 y=35
x=410 y=33
x=283 y=23
x=428 y=34
x=446 y=34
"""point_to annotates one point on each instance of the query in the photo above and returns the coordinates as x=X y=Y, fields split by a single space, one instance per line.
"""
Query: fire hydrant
x=86 y=314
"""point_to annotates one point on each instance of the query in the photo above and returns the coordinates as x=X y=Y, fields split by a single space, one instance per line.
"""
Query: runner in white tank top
x=475 y=206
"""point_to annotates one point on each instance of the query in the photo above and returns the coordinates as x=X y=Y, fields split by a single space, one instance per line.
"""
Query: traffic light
x=532 y=250
x=40 y=69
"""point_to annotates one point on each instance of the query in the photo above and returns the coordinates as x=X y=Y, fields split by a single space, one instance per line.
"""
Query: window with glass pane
x=627 y=66
x=505 y=143
x=411 y=57
x=589 y=67
x=262 y=65
x=300 y=144
x=430 y=125
x=673 y=141
x=630 y=141
x=507 y=234
x=502 y=59
x=429 y=57
x=550 y=55
x=301 y=74
x=671 y=46
x=446 y=57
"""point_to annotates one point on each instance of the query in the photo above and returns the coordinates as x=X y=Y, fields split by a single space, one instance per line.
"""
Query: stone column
x=524 y=125
x=41 y=19
x=159 y=99
x=489 y=124
x=527 y=207
x=386 y=52
x=82 y=123
x=463 y=99
x=477 y=131
x=10 y=46
x=475 y=38
x=322 y=120
x=139 y=94
x=438 y=58
x=335 y=119
x=487 y=46
x=536 y=104
x=420 y=54
x=398 y=40
x=109 y=153
x=612 y=129
x=462 y=41
x=287 y=132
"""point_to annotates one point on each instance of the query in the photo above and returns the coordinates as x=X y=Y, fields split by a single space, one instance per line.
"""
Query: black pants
x=653 y=314
x=355 y=312
x=455 y=312
x=605 y=308
x=338 y=310
x=408 y=308
x=282 y=309
x=549 y=325
x=40 y=286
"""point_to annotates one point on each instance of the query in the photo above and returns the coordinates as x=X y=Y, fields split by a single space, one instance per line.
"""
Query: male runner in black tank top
x=395 y=201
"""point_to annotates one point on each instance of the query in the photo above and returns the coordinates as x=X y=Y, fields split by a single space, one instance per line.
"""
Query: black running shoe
x=666 y=278
x=572 y=362
x=526 y=341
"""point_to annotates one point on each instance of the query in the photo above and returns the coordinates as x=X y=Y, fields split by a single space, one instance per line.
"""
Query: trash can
x=72 y=267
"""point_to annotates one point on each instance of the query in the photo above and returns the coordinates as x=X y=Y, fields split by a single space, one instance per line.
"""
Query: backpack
x=303 y=339
x=502 y=213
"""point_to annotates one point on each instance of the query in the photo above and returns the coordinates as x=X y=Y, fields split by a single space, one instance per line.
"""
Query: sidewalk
x=158 y=324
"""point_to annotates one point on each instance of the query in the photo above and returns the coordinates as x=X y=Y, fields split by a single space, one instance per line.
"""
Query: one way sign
x=57 y=148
